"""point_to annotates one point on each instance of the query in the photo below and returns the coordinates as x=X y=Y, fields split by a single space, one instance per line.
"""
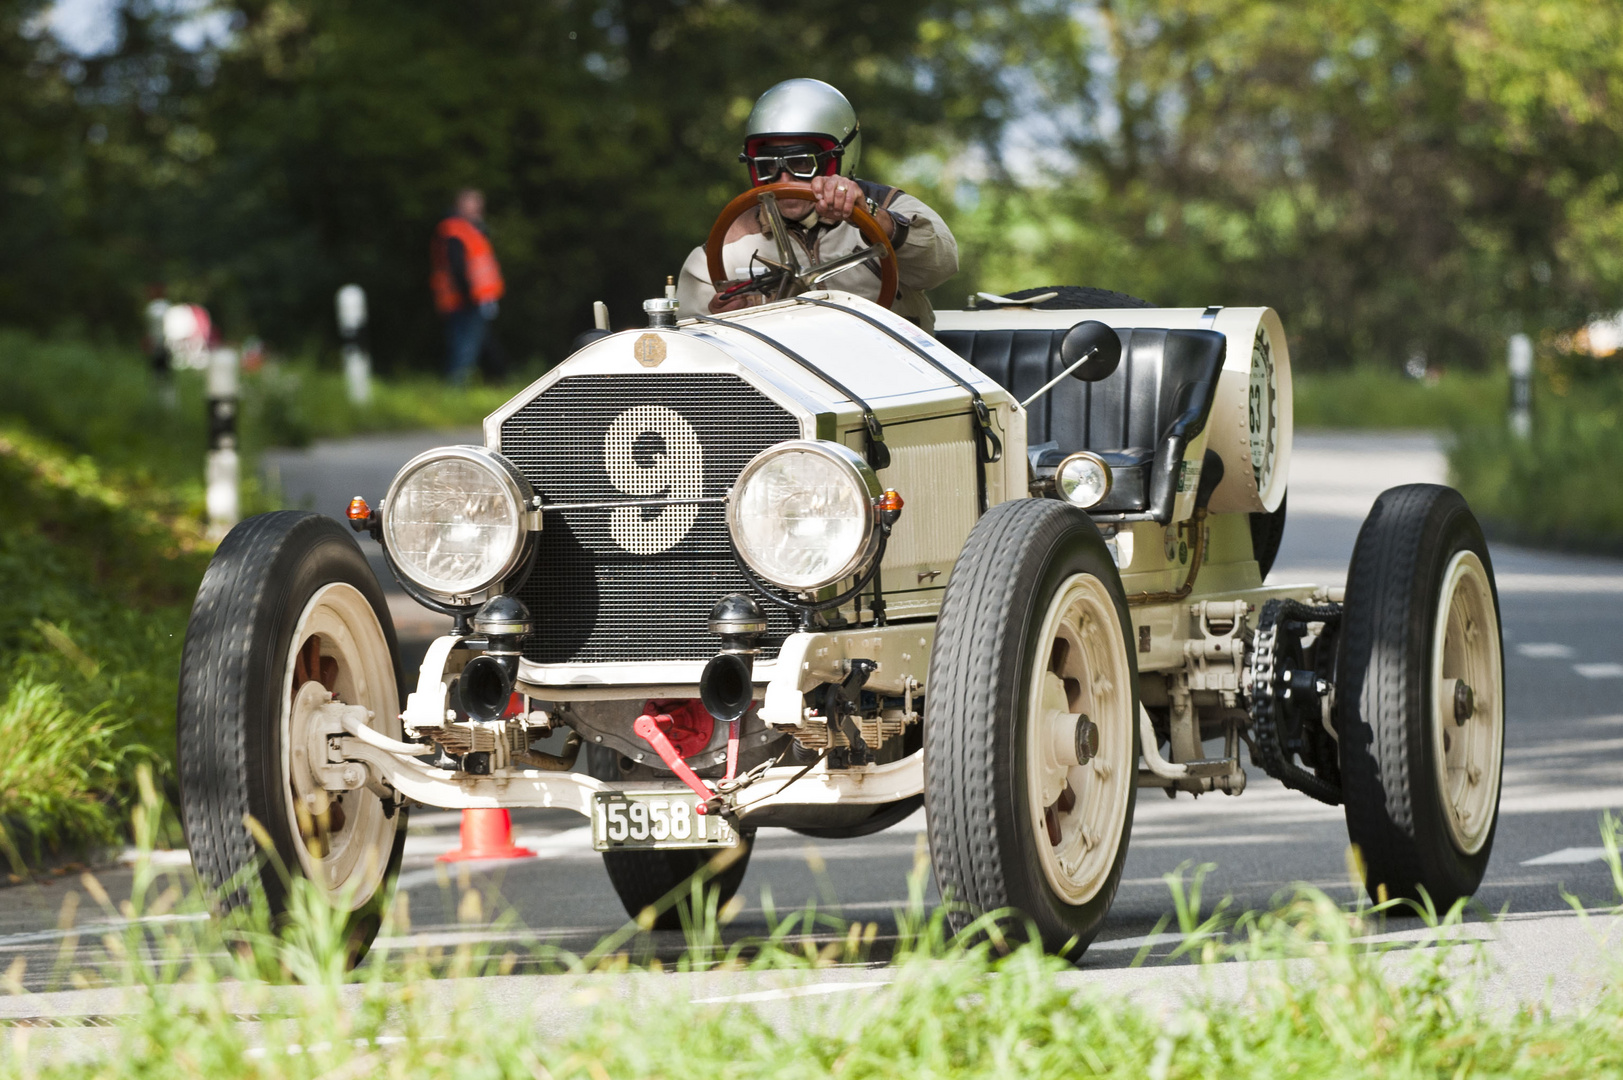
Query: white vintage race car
x=809 y=566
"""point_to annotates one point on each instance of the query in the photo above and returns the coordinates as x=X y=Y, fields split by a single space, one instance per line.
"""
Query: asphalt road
x=1563 y=767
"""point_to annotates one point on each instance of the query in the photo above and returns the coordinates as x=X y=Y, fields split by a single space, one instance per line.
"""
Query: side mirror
x=1091 y=337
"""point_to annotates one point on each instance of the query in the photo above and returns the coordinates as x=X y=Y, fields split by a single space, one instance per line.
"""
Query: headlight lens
x=1082 y=480
x=802 y=514
x=454 y=520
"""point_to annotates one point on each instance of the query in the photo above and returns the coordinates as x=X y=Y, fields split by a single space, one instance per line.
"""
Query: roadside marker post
x=1520 y=362
x=222 y=467
x=351 y=302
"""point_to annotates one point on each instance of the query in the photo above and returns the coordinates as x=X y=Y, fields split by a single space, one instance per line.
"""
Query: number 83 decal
x=651 y=452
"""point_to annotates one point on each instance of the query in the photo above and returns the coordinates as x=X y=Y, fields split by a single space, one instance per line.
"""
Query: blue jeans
x=465 y=331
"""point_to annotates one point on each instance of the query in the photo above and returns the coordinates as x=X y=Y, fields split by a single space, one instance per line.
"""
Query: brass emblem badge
x=649 y=350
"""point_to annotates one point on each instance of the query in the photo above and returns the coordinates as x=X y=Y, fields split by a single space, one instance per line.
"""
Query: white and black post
x=352 y=329
x=1520 y=362
x=222 y=468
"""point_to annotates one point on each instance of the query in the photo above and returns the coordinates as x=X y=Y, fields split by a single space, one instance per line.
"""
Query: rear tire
x=1421 y=615
x=1033 y=637
x=643 y=878
x=1267 y=532
x=288 y=602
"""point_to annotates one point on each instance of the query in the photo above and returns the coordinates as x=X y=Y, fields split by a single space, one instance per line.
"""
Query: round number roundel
x=1263 y=411
x=650 y=452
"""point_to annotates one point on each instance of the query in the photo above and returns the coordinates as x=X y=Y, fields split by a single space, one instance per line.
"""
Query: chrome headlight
x=1083 y=480
x=455 y=521
x=804 y=514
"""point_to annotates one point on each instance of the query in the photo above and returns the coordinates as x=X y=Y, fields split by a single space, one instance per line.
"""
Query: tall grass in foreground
x=1318 y=1002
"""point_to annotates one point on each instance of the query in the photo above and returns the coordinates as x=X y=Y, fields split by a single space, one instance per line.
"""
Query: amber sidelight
x=358 y=510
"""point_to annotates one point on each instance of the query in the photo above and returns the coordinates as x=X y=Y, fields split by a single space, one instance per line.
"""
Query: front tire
x=288 y=614
x=1420 y=757
x=1031 y=644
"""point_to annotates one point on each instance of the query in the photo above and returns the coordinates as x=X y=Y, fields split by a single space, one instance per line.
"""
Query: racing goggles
x=800 y=162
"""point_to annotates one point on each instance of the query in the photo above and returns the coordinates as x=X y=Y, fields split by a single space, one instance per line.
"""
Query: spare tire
x=1072 y=297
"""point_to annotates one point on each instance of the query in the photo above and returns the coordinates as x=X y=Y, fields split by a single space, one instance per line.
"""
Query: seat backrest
x=1162 y=374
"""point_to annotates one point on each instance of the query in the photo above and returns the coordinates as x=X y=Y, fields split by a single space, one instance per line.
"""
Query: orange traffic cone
x=487 y=834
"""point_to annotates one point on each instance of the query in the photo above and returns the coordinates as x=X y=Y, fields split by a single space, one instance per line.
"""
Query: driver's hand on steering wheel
x=837 y=195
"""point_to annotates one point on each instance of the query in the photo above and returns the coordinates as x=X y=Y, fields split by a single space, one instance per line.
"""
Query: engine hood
x=844 y=358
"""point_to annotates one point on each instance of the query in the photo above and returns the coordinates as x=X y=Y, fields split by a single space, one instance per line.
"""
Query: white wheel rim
x=1080 y=669
x=347 y=864
x=1465 y=646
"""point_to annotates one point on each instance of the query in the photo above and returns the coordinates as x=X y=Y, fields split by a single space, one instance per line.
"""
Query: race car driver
x=806 y=130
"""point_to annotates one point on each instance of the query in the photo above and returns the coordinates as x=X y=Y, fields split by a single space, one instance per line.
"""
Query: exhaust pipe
x=486 y=684
x=727 y=687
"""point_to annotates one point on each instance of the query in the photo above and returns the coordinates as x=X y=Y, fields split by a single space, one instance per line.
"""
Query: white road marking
x=160 y=857
x=1569 y=856
x=9 y=941
x=787 y=992
x=1544 y=650
x=1133 y=944
x=1599 y=671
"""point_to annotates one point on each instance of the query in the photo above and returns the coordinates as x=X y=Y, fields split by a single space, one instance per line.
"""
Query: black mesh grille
x=593 y=599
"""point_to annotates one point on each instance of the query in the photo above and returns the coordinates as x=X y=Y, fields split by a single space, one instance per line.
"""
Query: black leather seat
x=1140 y=419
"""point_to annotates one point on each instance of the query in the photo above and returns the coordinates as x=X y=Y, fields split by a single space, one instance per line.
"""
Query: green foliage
x=97 y=571
x=61 y=766
x=319 y=144
x=1395 y=178
x=1384 y=399
x=102 y=549
x=1559 y=485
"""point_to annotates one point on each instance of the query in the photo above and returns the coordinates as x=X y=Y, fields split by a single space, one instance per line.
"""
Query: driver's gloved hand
x=488 y=310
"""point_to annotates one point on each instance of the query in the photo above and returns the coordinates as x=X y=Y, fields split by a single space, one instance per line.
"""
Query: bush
x=1558 y=486
x=1370 y=397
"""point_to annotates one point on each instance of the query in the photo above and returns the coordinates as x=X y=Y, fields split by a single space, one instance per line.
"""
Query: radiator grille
x=637 y=584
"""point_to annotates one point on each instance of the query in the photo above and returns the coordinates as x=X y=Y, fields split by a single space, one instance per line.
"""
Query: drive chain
x=1268 y=749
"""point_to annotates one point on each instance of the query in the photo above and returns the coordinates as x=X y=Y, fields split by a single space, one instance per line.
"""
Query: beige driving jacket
x=926 y=257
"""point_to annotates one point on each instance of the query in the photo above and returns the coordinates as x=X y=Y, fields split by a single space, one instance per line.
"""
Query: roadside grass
x=97 y=573
x=1384 y=399
x=1560 y=486
x=105 y=402
x=101 y=551
x=1308 y=995
x=59 y=773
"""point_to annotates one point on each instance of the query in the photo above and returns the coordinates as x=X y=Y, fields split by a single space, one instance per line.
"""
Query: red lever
x=648 y=729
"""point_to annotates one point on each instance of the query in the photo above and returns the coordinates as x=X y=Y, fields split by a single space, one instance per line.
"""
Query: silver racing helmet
x=808 y=109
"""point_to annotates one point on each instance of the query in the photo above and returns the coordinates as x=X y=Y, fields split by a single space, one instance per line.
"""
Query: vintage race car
x=808 y=566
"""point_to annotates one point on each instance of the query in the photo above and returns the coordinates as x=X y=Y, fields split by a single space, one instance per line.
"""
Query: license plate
x=655 y=819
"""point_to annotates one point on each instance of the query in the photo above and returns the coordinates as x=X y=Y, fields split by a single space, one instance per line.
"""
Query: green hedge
x=1560 y=486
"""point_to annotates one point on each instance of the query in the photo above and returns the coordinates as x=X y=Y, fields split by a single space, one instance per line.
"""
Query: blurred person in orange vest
x=467 y=283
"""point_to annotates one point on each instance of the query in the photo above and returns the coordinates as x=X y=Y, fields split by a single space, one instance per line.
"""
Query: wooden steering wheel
x=787 y=273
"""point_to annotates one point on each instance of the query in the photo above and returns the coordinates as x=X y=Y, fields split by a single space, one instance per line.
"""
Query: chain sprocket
x=1280 y=726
